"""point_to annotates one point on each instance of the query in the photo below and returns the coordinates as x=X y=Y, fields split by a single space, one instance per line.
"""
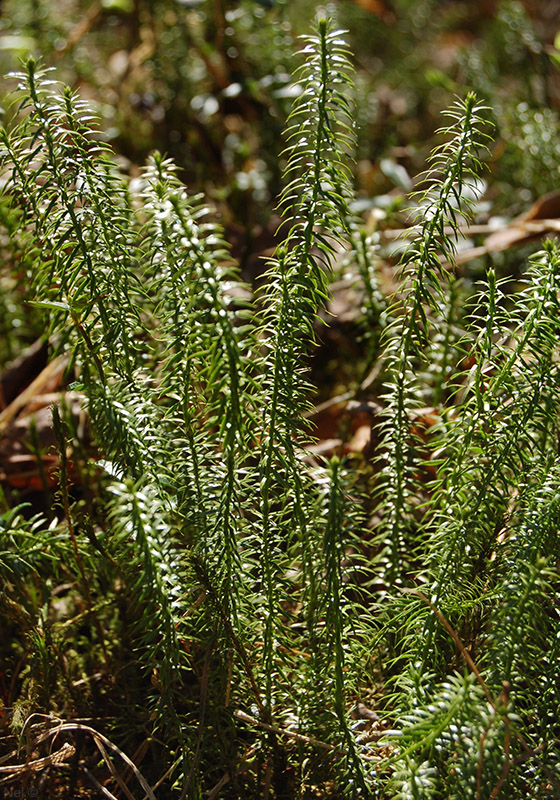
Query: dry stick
x=517 y=760
x=529 y=228
x=80 y=30
x=268 y=778
x=213 y=793
x=507 y=766
x=332 y=401
x=66 y=751
x=229 y=678
x=342 y=398
x=226 y=777
x=465 y=230
x=461 y=647
x=300 y=737
x=283 y=732
x=163 y=778
x=137 y=757
x=7 y=757
x=76 y=726
x=505 y=770
x=112 y=769
x=104 y=791
x=472 y=666
x=481 y=761
x=55 y=367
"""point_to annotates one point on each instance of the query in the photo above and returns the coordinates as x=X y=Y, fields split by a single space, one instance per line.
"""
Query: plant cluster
x=206 y=592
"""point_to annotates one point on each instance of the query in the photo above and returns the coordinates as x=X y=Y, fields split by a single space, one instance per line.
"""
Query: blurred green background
x=209 y=83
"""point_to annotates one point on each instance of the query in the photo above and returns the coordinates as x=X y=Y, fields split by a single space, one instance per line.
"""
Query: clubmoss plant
x=227 y=597
x=196 y=398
